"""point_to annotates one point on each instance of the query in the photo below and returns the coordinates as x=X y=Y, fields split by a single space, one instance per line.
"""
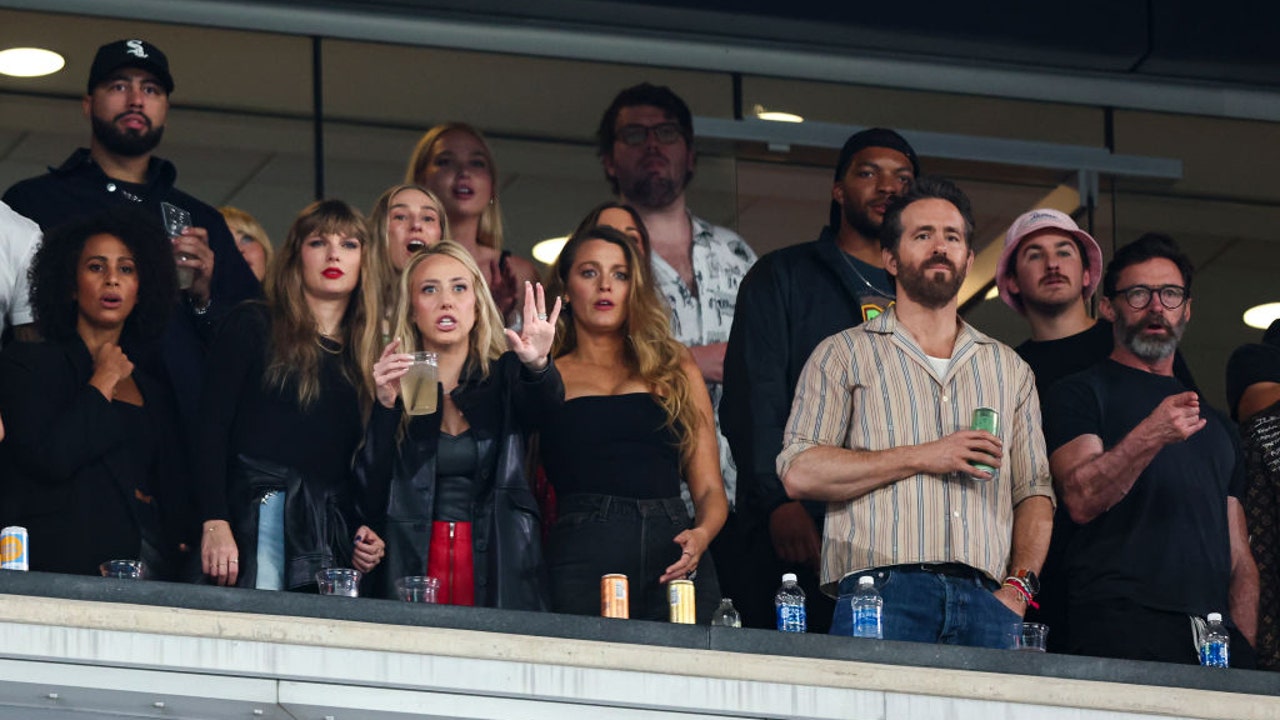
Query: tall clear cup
x=418 y=386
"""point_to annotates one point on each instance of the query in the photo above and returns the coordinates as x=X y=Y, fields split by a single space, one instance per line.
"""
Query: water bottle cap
x=866 y=581
x=789 y=577
x=1214 y=617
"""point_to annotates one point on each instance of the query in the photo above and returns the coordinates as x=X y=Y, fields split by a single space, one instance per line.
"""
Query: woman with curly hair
x=449 y=489
x=454 y=162
x=92 y=466
x=289 y=384
x=635 y=422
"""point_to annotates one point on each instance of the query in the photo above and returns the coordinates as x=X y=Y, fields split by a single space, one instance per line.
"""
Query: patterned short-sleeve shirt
x=720 y=260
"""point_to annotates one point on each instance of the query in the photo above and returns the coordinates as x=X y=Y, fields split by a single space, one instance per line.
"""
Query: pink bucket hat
x=1035 y=221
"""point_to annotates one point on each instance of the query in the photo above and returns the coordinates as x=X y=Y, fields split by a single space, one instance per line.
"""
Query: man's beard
x=860 y=221
x=1152 y=349
x=652 y=191
x=126 y=143
x=930 y=290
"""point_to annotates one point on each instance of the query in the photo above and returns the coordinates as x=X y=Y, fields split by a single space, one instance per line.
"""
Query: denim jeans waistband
x=605 y=505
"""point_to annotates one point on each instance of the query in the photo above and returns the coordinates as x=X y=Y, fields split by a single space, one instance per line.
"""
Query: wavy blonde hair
x=490 y=232
x=294 y=356
x=651 y=351
x=485 y=342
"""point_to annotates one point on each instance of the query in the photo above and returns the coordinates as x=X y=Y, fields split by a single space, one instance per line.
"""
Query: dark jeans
x=951 y=604
x=1125 y=629
x=595 y=535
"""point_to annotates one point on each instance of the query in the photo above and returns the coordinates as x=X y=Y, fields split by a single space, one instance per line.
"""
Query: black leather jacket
x=397 y=480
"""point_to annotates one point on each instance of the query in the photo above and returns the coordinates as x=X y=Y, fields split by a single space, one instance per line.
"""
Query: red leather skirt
x=450 y=561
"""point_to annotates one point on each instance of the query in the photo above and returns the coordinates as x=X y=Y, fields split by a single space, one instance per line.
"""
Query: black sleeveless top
x=612 y=445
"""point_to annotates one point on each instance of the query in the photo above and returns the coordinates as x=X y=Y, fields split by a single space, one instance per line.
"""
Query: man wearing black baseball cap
x=791 y=300
x=127 y=103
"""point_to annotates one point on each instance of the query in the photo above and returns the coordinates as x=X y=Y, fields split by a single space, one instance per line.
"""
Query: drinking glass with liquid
x=418 y=386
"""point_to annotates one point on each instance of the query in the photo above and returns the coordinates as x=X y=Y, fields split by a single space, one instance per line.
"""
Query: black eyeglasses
x=1139 y=296
x=636 y=135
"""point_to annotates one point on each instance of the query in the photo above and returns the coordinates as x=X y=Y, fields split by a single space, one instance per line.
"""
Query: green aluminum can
x=985 y=418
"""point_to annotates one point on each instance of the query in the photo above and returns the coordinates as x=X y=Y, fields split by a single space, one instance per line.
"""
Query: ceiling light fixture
x=548 y=250
x=30 y=62
x=775 y=115
x=1261 y=316
x=992 y=294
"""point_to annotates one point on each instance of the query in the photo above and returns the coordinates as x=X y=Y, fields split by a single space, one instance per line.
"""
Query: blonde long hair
x=242 y=223
x=650 y=351
x=485 y=342
x=490 y=232
x=294 y=356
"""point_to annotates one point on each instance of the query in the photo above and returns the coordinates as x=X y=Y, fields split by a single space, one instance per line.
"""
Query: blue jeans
x=595 y=535
x=271 y=542
x=949 y=604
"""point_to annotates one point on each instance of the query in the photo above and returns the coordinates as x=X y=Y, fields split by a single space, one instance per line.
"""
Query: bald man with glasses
x=1152 y=475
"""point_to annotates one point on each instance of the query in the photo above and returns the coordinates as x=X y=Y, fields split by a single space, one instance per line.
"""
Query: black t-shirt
x=1166 y=544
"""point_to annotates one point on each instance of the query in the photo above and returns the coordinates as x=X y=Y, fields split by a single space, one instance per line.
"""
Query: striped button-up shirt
x=872 y=388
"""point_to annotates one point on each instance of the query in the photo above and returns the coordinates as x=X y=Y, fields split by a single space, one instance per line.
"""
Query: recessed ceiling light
x=548 y=250
x=1261 y=316
x=30 y=62
x=776 y=115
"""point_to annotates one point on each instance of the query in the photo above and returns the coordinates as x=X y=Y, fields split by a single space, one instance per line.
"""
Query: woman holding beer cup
x=92 y=466
x=637 y=420
x=443 y=466
x=283 y=408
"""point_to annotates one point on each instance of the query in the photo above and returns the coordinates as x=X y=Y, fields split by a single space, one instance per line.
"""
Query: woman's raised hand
x=387 y=373
x=533 y=344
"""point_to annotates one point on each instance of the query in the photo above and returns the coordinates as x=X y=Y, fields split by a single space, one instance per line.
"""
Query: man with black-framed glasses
x=1152 y=475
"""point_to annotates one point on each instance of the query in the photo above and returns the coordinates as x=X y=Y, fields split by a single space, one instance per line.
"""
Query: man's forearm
x=837 y=474
x=1093 y=486
x=1032 y=528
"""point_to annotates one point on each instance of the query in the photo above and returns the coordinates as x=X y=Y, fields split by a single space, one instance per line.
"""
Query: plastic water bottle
x=868 y=608
x=726 y=615
x=789 y=603
x=1215 y=649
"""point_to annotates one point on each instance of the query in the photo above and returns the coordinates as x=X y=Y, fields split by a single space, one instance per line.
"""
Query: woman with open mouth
x=454 y=161
x=635 y=423
x=92 y=466
x=288 y=387
x=445 y=480
x=408 y=219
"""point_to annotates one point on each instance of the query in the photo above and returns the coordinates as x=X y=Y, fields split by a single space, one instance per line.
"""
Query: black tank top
x=612 y=445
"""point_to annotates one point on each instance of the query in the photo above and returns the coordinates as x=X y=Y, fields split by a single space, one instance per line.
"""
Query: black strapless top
x=612 y=445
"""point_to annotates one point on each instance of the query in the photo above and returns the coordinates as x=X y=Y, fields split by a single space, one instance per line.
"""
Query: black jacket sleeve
x=56 y=422
x=757 y=398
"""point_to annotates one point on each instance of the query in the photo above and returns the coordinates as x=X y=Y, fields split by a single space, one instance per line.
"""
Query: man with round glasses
x=1152 y=476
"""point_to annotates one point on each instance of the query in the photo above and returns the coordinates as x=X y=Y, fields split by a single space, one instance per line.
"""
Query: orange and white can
x=615 y=596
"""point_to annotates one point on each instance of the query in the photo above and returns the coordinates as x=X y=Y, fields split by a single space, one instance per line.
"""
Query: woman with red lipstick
x=454 y=161
x=449 y=490
x=92 y=466
x=637 y=420
x=283 y=409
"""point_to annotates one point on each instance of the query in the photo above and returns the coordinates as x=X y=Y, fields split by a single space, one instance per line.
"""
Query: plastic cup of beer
x=418 y=386
x=417 y=589
x=339 y=581
x=124 y=569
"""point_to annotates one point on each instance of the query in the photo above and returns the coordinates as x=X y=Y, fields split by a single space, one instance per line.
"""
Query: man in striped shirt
x=880 y=430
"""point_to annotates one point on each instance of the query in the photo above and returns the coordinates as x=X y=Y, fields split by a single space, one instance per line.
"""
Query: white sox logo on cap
x=136 y=49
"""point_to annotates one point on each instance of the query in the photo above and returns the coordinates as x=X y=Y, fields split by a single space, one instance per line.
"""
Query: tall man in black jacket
x=791 y=300
x=127 y=103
